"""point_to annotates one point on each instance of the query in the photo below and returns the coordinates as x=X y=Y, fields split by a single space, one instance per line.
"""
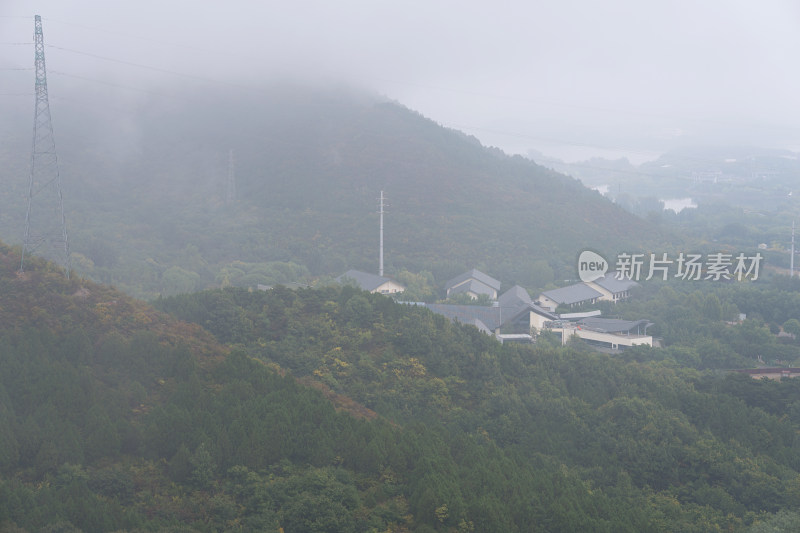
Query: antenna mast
x=380 y=253
x=45 y=224
x=791 y=258
x=230 y=196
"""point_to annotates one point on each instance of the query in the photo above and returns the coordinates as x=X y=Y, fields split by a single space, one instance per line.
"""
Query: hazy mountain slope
x=309 y=166
x=115 y=417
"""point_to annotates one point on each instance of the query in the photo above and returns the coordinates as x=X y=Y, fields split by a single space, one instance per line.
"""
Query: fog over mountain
x=235 y=163
x=570 y=79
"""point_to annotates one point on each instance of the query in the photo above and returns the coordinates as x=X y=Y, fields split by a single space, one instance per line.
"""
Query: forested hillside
x=336 y=410
x=609 y=443
x=648 y=446
x=147 y=205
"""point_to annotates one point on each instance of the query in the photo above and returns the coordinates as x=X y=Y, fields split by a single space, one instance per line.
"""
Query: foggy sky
x=567 y=78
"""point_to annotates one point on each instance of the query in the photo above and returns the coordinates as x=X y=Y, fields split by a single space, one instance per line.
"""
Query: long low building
x=515 y=318
x=606 y=288
x=771 y=373
x=608 y=334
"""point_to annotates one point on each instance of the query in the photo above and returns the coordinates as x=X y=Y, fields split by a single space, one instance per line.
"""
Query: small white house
x=371 y=282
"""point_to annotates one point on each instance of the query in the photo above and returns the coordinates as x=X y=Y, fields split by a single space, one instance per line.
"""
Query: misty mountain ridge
x=308 y=166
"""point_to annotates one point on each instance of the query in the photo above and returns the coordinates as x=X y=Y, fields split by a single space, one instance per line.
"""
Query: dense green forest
x=335 y=410
x=147 y=206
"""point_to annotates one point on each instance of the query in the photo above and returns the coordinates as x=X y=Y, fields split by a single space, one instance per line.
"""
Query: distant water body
x=679 y=204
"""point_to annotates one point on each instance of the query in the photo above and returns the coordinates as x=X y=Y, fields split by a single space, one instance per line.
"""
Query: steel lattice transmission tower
x=45 y=224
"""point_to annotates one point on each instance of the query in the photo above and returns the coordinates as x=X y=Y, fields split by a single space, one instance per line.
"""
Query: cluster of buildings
x=514 y=316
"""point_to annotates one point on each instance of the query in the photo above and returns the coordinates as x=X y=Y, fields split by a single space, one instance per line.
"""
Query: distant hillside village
x=514 y=316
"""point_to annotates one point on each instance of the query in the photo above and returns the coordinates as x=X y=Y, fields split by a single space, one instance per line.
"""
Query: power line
x=146 y=67
x=171 y=44
x=112 y=84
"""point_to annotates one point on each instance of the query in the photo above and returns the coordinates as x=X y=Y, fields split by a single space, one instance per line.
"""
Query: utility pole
x=380 y=253
x=45 y=224
x=791 y=257
x=230 y=193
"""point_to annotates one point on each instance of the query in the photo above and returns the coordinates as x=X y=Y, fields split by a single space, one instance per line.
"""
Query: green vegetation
x=330 y=409
x=337 y=410
x=639 y=446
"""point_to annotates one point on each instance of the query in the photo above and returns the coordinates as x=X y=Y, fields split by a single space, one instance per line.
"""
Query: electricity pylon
x=45 y=224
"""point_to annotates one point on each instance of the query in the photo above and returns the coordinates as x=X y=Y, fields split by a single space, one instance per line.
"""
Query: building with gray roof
x=606 y=288
x=613 y=288
x=516 y=295
x=477 y=283
x=514 y=317
x=474 y=289
x=571 y=295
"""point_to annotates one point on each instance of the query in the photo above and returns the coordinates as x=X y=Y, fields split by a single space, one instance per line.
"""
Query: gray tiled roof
x=365 y=280
x=514 y=296
x=468 y=314
x=511 y=313
x=475 y=274
x=544 y=312
x=613 y=285
x=516 y=300
x=572 y=294
x=473 y=286
x=482 y=327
